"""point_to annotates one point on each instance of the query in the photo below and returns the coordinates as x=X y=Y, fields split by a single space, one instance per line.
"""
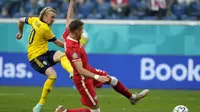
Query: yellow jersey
x=39 y=37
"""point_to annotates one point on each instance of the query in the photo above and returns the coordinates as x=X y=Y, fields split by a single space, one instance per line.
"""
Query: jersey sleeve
x=48 y=35
x=30 y=20
x=74 y=54
x=66 y=33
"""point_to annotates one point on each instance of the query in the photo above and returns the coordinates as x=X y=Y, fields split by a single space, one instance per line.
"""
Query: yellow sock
x=48 y=85
x=66 y=64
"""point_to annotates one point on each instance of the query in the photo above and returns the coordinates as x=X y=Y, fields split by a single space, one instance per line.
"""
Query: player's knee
x=113 y=81
x=50 y=72
x=58 y=55
x=59 y=52
x=95 y=110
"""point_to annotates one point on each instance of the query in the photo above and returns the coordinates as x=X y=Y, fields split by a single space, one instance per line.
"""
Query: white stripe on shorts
x=86 y=90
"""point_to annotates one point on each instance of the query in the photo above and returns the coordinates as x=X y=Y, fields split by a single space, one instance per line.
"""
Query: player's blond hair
x=44 y=11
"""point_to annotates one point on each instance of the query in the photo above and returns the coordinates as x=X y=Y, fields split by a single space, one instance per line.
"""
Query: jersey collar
x=72 y=39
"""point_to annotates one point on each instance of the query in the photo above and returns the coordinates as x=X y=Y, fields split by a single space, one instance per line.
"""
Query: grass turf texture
x=23 y=99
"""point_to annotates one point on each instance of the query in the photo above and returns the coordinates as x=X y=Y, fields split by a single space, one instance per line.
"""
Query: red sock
x=120 y=88
x=79 y=110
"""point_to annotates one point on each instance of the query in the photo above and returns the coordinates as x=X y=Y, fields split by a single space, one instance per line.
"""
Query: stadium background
x=157 y=54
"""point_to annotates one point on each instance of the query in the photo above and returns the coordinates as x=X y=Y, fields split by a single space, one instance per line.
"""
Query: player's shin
x=119 y=87
x=48 y=85
x=66 y=65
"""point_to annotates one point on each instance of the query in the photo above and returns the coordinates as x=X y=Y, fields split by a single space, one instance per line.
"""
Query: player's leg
x=117 y=85
x=88 y=98
x=48 y=85
x=43 y=64
x=120 y=88
x=62 y=109
x=61 y=57
x=92 y=109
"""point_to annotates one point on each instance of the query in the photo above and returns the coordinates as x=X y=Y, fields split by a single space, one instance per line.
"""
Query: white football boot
x=60 y=108
x=37 y=108
x=136 y=97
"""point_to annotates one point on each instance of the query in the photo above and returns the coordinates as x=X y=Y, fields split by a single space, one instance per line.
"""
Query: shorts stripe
x=87 y=92
x=38 y=63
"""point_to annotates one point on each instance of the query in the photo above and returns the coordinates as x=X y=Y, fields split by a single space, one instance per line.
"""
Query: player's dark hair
x=75 y=24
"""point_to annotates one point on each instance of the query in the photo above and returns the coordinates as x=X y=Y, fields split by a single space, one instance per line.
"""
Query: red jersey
x=66 y=33
x=76 y=52
x=69 y=44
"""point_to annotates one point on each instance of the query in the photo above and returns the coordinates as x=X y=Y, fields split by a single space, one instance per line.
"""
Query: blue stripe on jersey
x=53 y=39
x=26 y=20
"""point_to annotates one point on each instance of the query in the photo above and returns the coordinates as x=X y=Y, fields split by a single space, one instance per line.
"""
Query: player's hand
x=99 y=72
x=103 y=79
x=18 y=36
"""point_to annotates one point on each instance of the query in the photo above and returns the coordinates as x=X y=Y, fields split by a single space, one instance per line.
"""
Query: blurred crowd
x=107 y=9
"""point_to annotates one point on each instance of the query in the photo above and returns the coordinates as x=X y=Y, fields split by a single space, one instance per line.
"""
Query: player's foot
x=37 y=108
x=60 y=108
x=136 y=97
x=71 y=75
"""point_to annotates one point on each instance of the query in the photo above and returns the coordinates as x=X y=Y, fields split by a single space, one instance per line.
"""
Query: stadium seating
x=93 y=9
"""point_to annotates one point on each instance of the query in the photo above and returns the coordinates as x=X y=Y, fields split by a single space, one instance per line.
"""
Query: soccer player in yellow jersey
x=40 y=58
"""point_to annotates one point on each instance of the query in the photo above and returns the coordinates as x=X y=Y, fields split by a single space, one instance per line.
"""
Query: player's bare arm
x=59 y=43
x=70 y=13
x=79 y=67
x=20 y=27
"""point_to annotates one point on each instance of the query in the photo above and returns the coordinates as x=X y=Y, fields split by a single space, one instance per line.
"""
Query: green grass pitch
x=22 y=99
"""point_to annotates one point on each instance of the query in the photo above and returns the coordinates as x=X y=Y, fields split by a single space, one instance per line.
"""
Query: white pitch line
x=1 y=110
x=149 y=97
x=11 y=94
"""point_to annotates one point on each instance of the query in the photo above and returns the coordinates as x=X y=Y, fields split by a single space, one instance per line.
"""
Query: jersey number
x=31 y=37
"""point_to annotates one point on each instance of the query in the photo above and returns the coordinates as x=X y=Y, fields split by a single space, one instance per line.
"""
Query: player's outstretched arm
x=79 y=67
x=70 y=13
x=20 y=27
x=59 y=43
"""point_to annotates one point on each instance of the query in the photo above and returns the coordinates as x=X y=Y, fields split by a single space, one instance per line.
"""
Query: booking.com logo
x=178 y=72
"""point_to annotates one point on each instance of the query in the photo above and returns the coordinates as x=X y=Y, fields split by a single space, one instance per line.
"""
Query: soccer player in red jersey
x=85 y=77
x=84 y=36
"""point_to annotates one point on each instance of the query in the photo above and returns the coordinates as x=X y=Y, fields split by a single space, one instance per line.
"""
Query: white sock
x=133 y=96
x=113 y=81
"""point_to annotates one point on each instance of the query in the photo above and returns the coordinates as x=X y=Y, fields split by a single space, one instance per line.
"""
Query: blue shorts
x=43 y=62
